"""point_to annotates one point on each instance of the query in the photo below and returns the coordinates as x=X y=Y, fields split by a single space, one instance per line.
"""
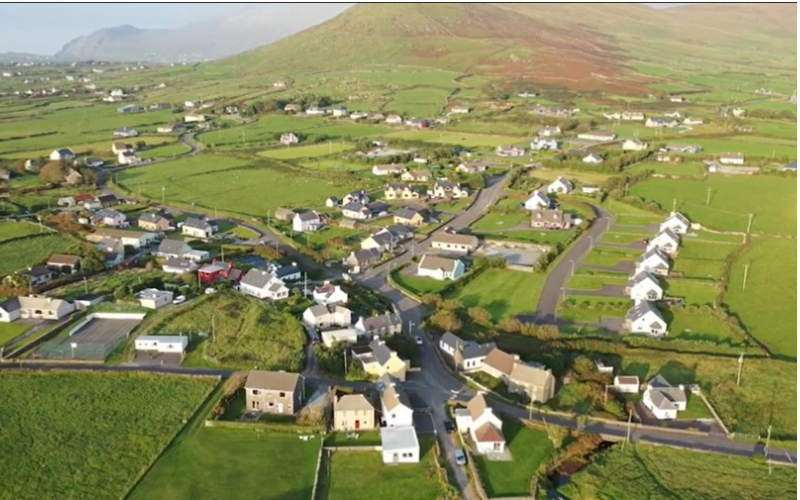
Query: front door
x=278 y=407
x=498 y=447
x=358 y=424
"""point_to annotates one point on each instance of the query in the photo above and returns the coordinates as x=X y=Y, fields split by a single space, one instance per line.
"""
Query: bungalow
x=644 y=286
x=289 y=138
x=161 y=344
x=535 y=382
x=34 y=307
x=315 y=111
x=663 y=399
x=409 y=217
x=677 y=223
x=388 y=169
x=416 y=176
x=379 y=360
x=286 y=273
x=467 y=354
x=380 y=326
x=732 y=159
x=738 y=112
x=653 y=262
x=328 y=293
x=119 y=147
x=484 y=427
x=306 y=222
x=550 y=132
x=340 y=112
x=543 y=144
x=537 y=200
x=399 y=445
x=353 y=412
x=420 y=123
x=473 y=167
x=592 y=158
x=396 y=408
x=644 y=317
x=125 y=132
x=676 y=98
x=459 y=110
x=263 y=285
x=38 y=275
x=359 y=196
x=65 y=154
x=400 y=191
x=293 y=107
x=280 y=393
x=358 y=115
x=194 y=118
x=361 y=260
x=666 y=241
x=440 y=268
x=64 y=264
x=172 y=249
x=136 y=239
x=445 y=188
x=109 y=217
x=356 y=211
x=683 y=148
x=347 y=335
x=615 y=115
x=454 y=243
x=598 y=135
x=509 y=151
x=400 y=232
x=152 y=298
x=107 y=200
x=632 y=116
x=626 y=384
x=199 y=228
x=634 y=145
x=656 y=122
x=692 y=121
x=127 y=158
x=156 y=222
x=325 y=316
x=113 y=251
x=178 y=266
x=590 y=189
x=550 y=219
x=382 y=241
x=331 y=202
x=560 y=186
x=169 y=129
x=394 y=120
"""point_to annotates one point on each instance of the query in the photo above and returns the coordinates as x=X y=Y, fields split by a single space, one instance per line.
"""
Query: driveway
x=625 y=267
x=606 y=291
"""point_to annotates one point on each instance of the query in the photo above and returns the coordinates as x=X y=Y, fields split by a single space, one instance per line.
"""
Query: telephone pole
x=744 y=279
x=708 y=195
x=674 y=204
x=749 y=222
x=628 y=432
x=739 y=373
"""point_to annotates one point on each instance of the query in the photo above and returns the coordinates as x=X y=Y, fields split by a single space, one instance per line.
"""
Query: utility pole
x=708 y=195
x=744 y=279
x=605 y=397
x=163 y=189
x=749 y=222
x=344 y=350
x=628 y=432
x=674 y=203
x=222 y=249
x=213 y=328
x=739 y=373
x=572 y=265
x=305 y=284
x=769 y=435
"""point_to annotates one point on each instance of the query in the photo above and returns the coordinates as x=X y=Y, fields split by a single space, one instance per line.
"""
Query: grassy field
x=768 y=305
x=456 y=138
x=10 y=230
x=98 y=447
x=498 y=220
x=229 y=464
x=22 y=253
x=529 y=449
x=490 y=291
x=663 y=473
x=773 y=200
x=700 y=292
x=610 y=256
x=419 y=285
x=684 y=169
x=698 y=326
x=247 y=333
x=309 y=151
x=10 y=331
x=363 y=476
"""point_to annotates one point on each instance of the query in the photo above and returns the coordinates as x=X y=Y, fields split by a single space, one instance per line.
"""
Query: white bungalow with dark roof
x=263 y=285
x=645 y=318
x=440 y=268
x=199 y=228
x=467 y=355
x=537 y=200
x=560 y=186
x=666 y=241
x=663 y=399
x=644 y=286
x=653 y=262
x=306 y=222
x=677 y=223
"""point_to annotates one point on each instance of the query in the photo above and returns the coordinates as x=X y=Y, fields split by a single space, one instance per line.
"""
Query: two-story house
x=280 y=393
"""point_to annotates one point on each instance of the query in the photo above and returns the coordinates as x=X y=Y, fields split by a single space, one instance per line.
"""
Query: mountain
x=229 y=33
x=578 y=46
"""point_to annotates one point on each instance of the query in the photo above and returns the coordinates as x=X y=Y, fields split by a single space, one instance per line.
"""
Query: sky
x=45 y=28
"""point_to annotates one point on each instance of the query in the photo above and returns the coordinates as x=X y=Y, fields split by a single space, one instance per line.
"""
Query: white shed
x=399 y=445
x=162 y=343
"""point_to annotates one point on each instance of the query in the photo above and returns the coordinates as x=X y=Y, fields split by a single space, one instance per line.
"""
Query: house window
x=270 y=404
x=283 y=394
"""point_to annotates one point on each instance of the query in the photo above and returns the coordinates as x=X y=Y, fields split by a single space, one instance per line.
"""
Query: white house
x=598 y=135
x=544 y=144
x=62 y=154
x=289 y=138
x=306 y=221
x=626 y=384
x=666 y=241
x=152 y=298
x=550 y=132
x=663 y=399
x=127 y=157
x=136 y=239
x=632 y=116
x=692 y=121
x=162 y=344
x=326 y=316
x=347 y=335
x=485 y=428
x=388 y=169
x=676 y=222
x=110 y=218
x=560 y=186
x=645 y=318
x=356 y=211
x=263 y=285
x=508 y=151
x=634 y=145
x=537 y=200
x=732 y=159
x=468 y=355
x=440 y=268
x=592 y=158
x=178 y=266
x=339 y=112
x=328 y=293
x=396 y=408
x=657 y=122
x=590 y=189
x=198 y=228
x=194 y=118
x=644 y=286
x=399 y=445
x=394 y=120
x=459 y=110
x=653 y=262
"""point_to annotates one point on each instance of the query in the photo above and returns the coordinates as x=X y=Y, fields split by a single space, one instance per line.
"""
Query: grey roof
x=10 y=305
x=197 y=224
x=277 y=285
x=353 y=402
x=257 y=278
x=307 y=216
x=106 y=212
x=663 y=394
x=399 y=439
x=407 y=213
x=641 y=277
x=40 y=302
x=383 y=238
x=669 y=233
x=180 y=263
x=381 y=321
x=380 y=352
x=37 y=270
x=642 y=308
x=680 y=217
x=471 y=350
x=455 y=239
x=172 y=247
x=153 y=217
x=354 y=206
x=450 y=340
x=529 y=375
x=284 y=271
x=790 y=166
x=654 y=252
x=399 y=230
x=434 y=262
x=275 y=381
x=367 y=256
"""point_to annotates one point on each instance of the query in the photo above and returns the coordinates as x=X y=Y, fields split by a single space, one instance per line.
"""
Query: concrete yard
x=518 y=256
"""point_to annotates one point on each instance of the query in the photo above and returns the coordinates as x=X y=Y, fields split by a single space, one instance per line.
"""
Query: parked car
x=449 y=426
x=461 y=458
x=210 y=290
x=180 y=299
x=418 y=340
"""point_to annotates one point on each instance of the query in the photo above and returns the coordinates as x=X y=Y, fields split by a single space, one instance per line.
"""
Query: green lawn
x=533 y=236
x=623 y=237
x=10 y=230
x=698 y=326
x=419 y=285
x=365 y=438
x=10 y=331
x=663 y=473
x=685 y=169
x=768 y=305
x=491 y=291
x=95 y=435
x=362 y=475
x=595 y=281
x=233 y=464
x=696 y=409
x=309 y=151
x=700 y=292
x=609 y=256
x=23 y=253
x=497 y=220
x=458 y=138
x=166 y=151
x=529 y=449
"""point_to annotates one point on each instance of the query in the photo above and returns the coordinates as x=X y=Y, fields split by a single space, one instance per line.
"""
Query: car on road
x=180 y=299
x=449 y=426
x=211 y=290
x=418 y=340
x=461 y=457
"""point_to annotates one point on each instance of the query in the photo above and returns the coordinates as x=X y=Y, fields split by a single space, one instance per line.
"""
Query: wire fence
x=84 y=351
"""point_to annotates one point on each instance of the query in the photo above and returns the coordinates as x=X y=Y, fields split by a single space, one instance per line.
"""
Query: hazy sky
x=45 y=28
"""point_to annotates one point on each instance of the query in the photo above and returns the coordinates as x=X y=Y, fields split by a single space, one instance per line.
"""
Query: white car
x=180 y=299
x=418 y=340
x=210 y=290
x=461 y=458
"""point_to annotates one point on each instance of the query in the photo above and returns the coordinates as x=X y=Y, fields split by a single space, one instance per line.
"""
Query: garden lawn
x=230 y=464
x=529 y=449
x=84 y=443
x=502 y=292
x=663 y=473
x=10 y=331
x=306 y=151
x=21 y=253
x=498 y=220
x=699 y=292
x=699 y=326
x=362 y=475
x=419 y=285
x=610 y=256
x=768 y=305
x=10 y=230
x=623 y=237
x=365 y=438
x=595 y=281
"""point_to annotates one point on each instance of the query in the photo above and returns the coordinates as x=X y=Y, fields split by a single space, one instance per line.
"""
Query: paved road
x=561 y=272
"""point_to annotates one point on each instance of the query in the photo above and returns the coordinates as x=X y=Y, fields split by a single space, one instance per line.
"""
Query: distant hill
x=234 y=32
x=22 y=57
x=577 y=46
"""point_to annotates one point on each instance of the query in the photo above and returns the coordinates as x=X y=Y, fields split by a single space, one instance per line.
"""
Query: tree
x=447 y=321
x=53 y=172
x=92 y=259
x=141 y=145
x=480 y=315
x=511 y=325
x=17 y=282
x=583 y=367
x=452 y=305
x=546 y=332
